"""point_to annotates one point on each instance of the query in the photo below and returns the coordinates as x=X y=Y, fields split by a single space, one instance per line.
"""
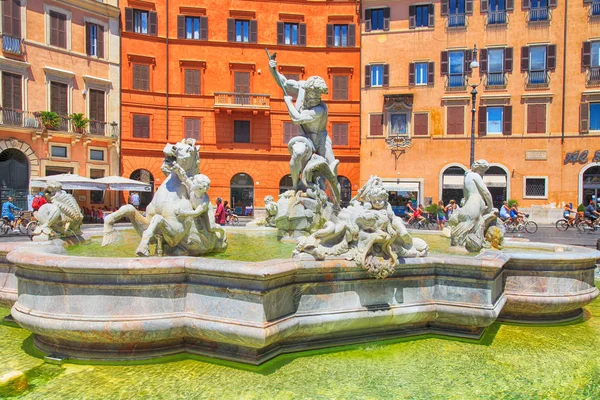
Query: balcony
x=19 y=119
x=593 y=76
x=538 y=79
x=457 y=20
x=456 y=82
x=538 y=14
x=495 y=80
x=497 y=17
x=595 y=9
x=12 y=45
x=101 y=128
x=249 y=101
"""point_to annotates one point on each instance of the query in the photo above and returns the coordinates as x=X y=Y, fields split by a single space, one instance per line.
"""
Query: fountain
x=356 y=275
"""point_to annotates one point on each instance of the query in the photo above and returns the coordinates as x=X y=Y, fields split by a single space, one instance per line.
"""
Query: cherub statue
x=271 y=209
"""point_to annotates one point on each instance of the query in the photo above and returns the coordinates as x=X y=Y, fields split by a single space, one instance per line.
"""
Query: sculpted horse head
x=185 y=154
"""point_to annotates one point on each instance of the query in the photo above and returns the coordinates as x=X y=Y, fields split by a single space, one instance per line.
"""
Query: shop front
x=402 y=192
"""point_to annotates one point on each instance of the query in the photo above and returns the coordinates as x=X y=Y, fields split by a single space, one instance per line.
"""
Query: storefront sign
x=581 y=157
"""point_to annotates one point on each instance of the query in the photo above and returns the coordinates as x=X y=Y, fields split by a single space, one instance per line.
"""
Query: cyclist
x=38 y=201
x=504 y=213
x=568 y=213
x=7 y=212
x=516 y=217
x=418 y=214
x=410 y=211
x=590 y=212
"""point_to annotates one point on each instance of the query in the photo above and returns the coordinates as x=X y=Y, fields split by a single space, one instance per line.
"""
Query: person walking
x=441 y=215
x=7 y=211
x=220 y=214
x=451 y=208
x=135 y=200
x=38 y=201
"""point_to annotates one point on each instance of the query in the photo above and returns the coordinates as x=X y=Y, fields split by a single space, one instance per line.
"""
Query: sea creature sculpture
x=60 y=216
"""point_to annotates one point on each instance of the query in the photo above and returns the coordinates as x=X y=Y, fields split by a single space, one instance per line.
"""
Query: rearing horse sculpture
x=167 y=221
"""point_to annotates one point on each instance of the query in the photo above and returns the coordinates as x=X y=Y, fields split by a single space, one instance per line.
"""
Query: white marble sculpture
x=268 y=220
x=367 y=232
x=476 y=221
x=315 y=193
x=60 y=217
x=180 y=218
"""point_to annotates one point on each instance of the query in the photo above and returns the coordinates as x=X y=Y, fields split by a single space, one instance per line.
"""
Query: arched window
x=14 y=177
x=242 y=194
x=345 y=190
x=495 y=179
x=146 y=176
x=285 y=184
x=453 y=179
x=591 y=185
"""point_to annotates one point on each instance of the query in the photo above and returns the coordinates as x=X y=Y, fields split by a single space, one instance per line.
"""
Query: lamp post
x=474 y=65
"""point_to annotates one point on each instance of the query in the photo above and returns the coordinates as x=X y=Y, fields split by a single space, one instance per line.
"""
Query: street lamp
x=474 y=65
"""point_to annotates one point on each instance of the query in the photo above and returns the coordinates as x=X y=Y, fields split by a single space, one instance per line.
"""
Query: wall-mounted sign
x=536 y=155
x=581 y=157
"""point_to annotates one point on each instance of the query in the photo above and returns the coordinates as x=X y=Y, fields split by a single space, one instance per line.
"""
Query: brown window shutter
x=386 y=19
x=468 y=58
x=551 y=57
x=531 y=118
x=53 y=29
x=460 y=121
x=93 y=106
x=280 y=35
x=340 y=134
x=17 y=92
x=16 y=18
x=484 y=6
x=444 y=63
x=469 y=7
x=375 y=125
x=88 y=39
x=482 y=118
x=188 y=130
x=54 y=98
x=7 y=16
x=128 y=19
x=483 y=60
x=152 y=23
x=367 y=76
x=203 y=28
x=411 y=74
x=584 y=119
x=340 y=87
x=145 y=76
x=508 y=59
x=100 y=41
x=541 y=118
x=187 y=82
x=444 y=8
x=287 y=132
x=181 y=27
x=329 y=35
x=386 y=75
x=62 y=31
x=351 y=35
x=450 y=128
x=430 y=73
x=525 y=4
x=230 y=30
x=368 y=17
x=586 y=55
x=524 y=59
x=253 y=31
x=507 y=122
x=510 y=5
x=301 y=34
x=431 y=15
x=412 y=17
x=552 y=3
x=421 y=122
x=146 y=125
x=7 y=88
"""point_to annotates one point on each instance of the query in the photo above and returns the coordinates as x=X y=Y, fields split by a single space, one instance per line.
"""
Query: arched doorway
x=496 y=180
x=146 y=176
x=285 y=184
x=590 y=184
x=14 y=177
x=453 y=179
x=345 y=190
x=242 y=194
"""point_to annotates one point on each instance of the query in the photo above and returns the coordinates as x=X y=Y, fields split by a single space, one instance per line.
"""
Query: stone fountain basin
x=134 y=308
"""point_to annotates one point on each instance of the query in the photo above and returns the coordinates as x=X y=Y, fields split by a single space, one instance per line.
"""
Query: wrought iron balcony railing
x=593 y=76
x=539 y=14
x=538 y=78
x=12 y=45
x=495 y=79
x=242 y=100
x=102 y=128
x=457 y=20
x=456 y=81
x=595 y=9
x=497 y=17
x=19 y=119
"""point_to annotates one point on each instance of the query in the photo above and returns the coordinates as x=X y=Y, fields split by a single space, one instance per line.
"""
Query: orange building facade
x=62 y=57
x=537 y=115
x=201 y=71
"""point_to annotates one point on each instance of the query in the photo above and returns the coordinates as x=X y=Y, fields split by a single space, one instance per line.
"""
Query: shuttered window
x=192 y=27
x=58 y=29
x=192 y=128
x=536 y=118
x=12 y=91
x=94 y=40
x=141 y=126
x=141 y=77
x=141 y=21
x=377 y=19
x=59 y=101
x=340 y=87
x=289 y=131
x=11 y=18
x=192 y=81
x=456 y=120
x=340 y=134
x=241 y=82
x=241 y=131
x=239 y=30
x=376 y=125
x=96 y=105
x=341 y=35
x=421 y=124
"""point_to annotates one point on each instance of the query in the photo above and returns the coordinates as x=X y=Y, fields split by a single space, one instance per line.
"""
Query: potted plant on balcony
x=79 y=122
x=50 y=119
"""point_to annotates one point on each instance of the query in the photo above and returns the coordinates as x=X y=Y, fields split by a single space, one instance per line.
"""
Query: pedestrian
x=135 y=200
x=451 y=208
x=441 y=215
x=220 y=215
x=7 y=211
x=38 y=201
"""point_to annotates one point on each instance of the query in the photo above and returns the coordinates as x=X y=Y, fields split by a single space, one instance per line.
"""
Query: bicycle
x=525 y=224
x=588 y=225
x=564 y=224
x=232 y=219
x=22 y=221
x=420 y=223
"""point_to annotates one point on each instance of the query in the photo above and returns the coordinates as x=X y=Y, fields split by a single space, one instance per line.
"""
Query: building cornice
x=93 y=6
x=16 y=64
x=59 y=72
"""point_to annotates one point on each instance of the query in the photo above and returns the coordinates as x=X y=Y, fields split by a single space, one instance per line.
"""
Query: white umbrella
x=120 y=183
x=69 y=182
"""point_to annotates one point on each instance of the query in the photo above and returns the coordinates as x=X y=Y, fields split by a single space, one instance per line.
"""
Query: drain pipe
x=167 y=73
x=564 y=85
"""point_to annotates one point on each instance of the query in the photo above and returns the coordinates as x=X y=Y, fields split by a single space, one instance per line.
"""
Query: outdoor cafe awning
x=121 y=183
x=69 y=182
x=401 y=186
x=457 y=181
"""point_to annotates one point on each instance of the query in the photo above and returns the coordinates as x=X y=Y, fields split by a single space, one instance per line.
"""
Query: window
x=538 y=10
x=340 y=87
x=495 y=72
x=536 y=187
x=97 y=119
x=192 y=128
x=192 y=27
x=290 y=33
x=241 y=82
x=537 y=64
x=141 y=126
x=340 y=134
x=494 y=120
x=141 y=77
x=59 y=101
x=594 y=116
x=377 y=19
x=11 y=93
x=11 y=19
x=421 y=73
x=421 y=16
x=590 y=59
x=192 y=81
x=536 y=118
x=376 y=125
x=339 y=35
x=377 y=75
x=289 y=131
x=497 y=11
x=293 y=77
x=293 y=34
x=58 y=29
x=241 y=131
x=455 y=116
x=96 y=155
x=58 y=151
x=456 y=67
x=421 y=124
x=242 y=31
x=595 y=61
x=456 y=13
x=141 y=21
x=95 y=40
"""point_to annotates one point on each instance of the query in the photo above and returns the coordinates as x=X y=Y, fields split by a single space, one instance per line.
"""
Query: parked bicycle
x=521 y=225
x=24 y=223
